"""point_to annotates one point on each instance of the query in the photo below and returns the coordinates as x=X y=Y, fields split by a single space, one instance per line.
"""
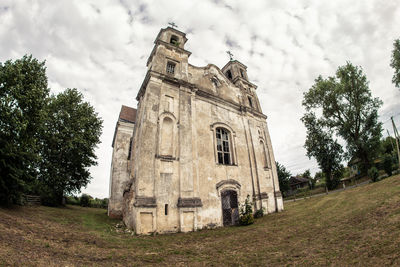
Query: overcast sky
x=101 y=48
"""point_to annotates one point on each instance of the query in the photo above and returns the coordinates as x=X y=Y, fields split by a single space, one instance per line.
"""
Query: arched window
x=167 y=135
x=223 y=146
x=215 y=81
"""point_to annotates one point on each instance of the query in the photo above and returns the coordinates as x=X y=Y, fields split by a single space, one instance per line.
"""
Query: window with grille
x=223 y=146
x=171 y=68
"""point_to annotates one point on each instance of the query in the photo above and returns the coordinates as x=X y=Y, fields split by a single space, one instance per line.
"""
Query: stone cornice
x=238 y=78
x=192 y=202
x=147 y=202
x=199 y=92
x=168 y=46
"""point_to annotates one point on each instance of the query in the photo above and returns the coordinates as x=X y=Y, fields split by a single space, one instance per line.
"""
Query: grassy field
x=359 y=226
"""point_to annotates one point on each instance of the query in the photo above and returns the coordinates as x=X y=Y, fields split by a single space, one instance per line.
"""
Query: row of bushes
x=87 y=201
x=388 y=164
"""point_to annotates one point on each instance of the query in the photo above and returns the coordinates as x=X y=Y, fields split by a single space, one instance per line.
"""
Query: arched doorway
x=230 y=211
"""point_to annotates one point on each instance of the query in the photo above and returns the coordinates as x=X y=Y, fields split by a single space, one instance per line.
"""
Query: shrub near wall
x=246 y=212
x=373 y=174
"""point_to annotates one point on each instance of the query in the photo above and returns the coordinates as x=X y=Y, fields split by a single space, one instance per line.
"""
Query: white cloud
x=101 y=48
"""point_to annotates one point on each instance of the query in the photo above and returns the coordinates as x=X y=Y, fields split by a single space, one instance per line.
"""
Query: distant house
x=354 y=166
x=297 y=182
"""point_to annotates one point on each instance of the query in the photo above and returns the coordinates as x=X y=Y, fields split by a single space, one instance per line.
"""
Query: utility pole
x=396 y=136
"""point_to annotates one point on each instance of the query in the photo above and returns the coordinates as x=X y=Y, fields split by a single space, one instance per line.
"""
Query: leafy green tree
x=283 y=177
x=395 y=63
x=71 y=134
x=319 y=176
x=85 y=200
x=307 y=174
x=321 y=146
x=311 y=180
x=388 y=144
x=373 y=174
x=388 y=164
x=348 y=110
x=23 y=93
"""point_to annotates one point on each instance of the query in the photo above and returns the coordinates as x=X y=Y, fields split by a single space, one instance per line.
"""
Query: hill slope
x=357 y=226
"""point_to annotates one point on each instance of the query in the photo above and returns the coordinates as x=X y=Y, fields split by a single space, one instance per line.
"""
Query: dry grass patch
x=359 y=226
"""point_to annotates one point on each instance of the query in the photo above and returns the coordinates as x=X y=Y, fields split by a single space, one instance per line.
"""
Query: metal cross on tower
x=172 y=24
x=230 y=55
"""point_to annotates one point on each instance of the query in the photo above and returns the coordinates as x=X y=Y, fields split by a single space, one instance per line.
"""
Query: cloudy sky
x=101 y=48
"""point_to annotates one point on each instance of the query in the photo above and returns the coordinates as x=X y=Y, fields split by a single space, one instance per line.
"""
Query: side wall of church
x=119 y=168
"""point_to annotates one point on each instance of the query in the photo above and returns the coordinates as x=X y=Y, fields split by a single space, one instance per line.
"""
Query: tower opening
x=229 y=74
x=174 y=40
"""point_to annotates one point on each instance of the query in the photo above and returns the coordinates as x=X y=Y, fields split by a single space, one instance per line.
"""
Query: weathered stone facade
x=200 y=145
x=120 y=176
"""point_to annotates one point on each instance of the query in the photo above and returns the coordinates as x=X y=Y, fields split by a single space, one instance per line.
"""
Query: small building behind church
x=195 y=148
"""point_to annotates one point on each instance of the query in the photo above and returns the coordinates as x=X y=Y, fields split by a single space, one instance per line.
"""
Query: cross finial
x=172 y=24
x=230 y=55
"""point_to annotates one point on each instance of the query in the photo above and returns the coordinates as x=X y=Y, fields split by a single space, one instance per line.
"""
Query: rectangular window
x=170 y=68
x=166 y=209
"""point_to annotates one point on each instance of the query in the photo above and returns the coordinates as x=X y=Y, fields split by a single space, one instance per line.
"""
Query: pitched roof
x=127 y=114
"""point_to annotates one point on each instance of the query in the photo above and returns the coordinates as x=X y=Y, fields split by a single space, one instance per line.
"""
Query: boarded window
x=169 y=103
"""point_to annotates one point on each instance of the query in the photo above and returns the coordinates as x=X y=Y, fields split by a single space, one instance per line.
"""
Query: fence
x=32 y=200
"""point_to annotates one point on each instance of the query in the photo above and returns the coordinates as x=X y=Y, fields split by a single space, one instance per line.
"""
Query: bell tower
x=169 y=56
x=236 y=72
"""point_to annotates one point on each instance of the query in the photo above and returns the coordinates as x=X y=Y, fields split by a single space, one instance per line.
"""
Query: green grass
x=359 y=226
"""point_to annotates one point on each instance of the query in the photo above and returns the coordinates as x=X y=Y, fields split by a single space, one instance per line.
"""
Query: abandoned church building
x=195 y=148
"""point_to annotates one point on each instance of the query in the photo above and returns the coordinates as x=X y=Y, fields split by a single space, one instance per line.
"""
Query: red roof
x=127 y=114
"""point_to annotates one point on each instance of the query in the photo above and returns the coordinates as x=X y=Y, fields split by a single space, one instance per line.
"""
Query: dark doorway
x=230 y=212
